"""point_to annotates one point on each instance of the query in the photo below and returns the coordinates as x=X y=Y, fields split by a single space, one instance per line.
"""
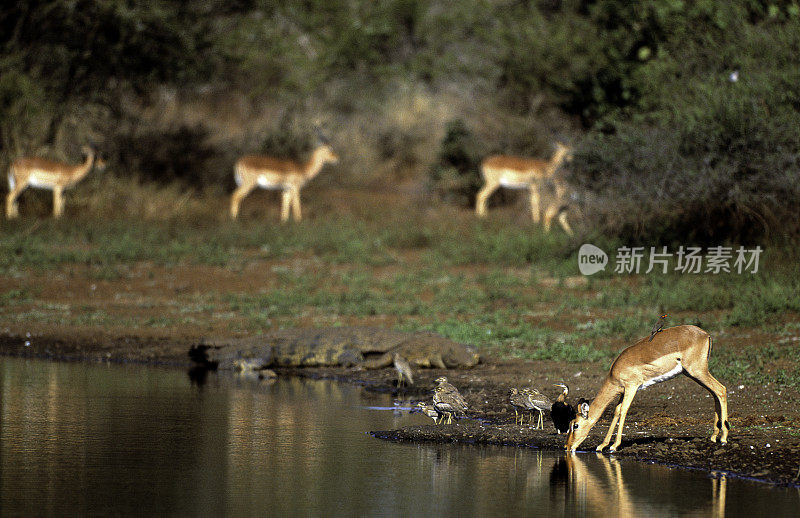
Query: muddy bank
x=669 y=423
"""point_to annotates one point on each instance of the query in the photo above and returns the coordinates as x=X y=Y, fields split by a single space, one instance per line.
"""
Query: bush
x=708 y=159
x=455 y=177
x=165 y=155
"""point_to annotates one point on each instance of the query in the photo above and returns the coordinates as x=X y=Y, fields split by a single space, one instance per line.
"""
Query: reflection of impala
x=274 y=173
x=40 y=173
x=607 y=494
x=518 y=173
x=675 y=350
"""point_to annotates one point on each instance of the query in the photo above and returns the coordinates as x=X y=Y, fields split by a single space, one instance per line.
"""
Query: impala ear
x=583 y=408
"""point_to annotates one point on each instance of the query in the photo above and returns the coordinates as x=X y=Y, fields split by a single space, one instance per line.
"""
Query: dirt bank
x=668 y=423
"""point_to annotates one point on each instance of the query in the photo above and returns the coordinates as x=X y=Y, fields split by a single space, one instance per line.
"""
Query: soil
x=669 y=423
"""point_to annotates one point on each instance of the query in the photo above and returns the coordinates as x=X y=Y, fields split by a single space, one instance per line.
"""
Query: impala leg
x=12 y=209
x=237 y=197
x=58 y=201
x=534 y=197
x=720 y=393
x=516 y=416
x=286 y=200
x=627 y=399
x=296 y=204
x=552 y=212
x=549 y=214
x=610 y=431
x=562 y=220
x=483 y=195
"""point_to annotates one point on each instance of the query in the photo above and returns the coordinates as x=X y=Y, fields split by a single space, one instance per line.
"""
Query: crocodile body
x=367 y=347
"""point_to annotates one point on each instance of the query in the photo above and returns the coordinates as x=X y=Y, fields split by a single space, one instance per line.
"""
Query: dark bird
x=518 y=401
x=429 y=410
x=562 y=412
x=535 y=400
x=404 y=371
x=658 y=327
x=447 y=400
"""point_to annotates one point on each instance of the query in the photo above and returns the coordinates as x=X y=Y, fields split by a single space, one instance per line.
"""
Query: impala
x=518 y=173
x=558 y=207
x=675 y=350
x=287 y=176
x=40 y=173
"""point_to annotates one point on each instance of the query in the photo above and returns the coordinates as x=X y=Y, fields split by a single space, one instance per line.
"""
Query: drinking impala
x=675 y=350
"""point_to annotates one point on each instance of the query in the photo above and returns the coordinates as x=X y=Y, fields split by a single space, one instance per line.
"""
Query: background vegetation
x=685 y=117
x=669 y=146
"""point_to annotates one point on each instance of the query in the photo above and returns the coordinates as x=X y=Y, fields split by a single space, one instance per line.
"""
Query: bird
x=583 y=406
x=447 y=400
x=403 y=370
x=429 y=410
x=562 y=413
x=657 y=327
x=518 y=401
x=536 y=401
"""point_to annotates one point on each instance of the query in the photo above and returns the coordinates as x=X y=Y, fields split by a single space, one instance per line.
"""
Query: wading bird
x=535 y=400
x=658 y=326
x=429 y=410
x=562 y=413
x=447 y=400
x=518 y=173
x=518 y=401
x=287 y=176
x=403 y=368
x=675 y=350
x=46 y=174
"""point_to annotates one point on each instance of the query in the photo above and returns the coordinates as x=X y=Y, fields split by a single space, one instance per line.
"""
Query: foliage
x=673 y=148
x=455 y=176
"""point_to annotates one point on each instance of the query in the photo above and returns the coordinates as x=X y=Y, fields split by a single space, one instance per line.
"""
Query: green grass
x=759 y=365
x=498 y=285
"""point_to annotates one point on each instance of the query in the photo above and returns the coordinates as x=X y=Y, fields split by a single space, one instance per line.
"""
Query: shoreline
x=659 y=433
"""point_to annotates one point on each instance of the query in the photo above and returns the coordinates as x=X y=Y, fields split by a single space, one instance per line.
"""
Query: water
x=82 y=439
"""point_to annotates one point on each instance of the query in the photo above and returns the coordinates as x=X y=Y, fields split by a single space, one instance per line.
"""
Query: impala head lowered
x=675 y=350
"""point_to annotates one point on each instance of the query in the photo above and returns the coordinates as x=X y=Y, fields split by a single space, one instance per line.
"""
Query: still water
x=113 y=440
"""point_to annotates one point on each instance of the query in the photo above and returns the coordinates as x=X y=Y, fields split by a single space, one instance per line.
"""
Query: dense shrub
x=455 y=176
x=168 y=155
x=711 y=154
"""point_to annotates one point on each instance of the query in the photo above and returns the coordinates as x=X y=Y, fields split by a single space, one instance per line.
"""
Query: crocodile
x=366 y=347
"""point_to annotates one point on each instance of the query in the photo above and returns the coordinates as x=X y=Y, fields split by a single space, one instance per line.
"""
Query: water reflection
x=78 y=439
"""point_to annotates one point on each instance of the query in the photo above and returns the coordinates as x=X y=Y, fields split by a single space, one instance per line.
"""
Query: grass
x=501 y=283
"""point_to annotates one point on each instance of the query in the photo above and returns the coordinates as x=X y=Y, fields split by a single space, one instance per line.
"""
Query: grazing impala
x=275 y=173
x=675 y=350
x=46 y=174
x=518 y=173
